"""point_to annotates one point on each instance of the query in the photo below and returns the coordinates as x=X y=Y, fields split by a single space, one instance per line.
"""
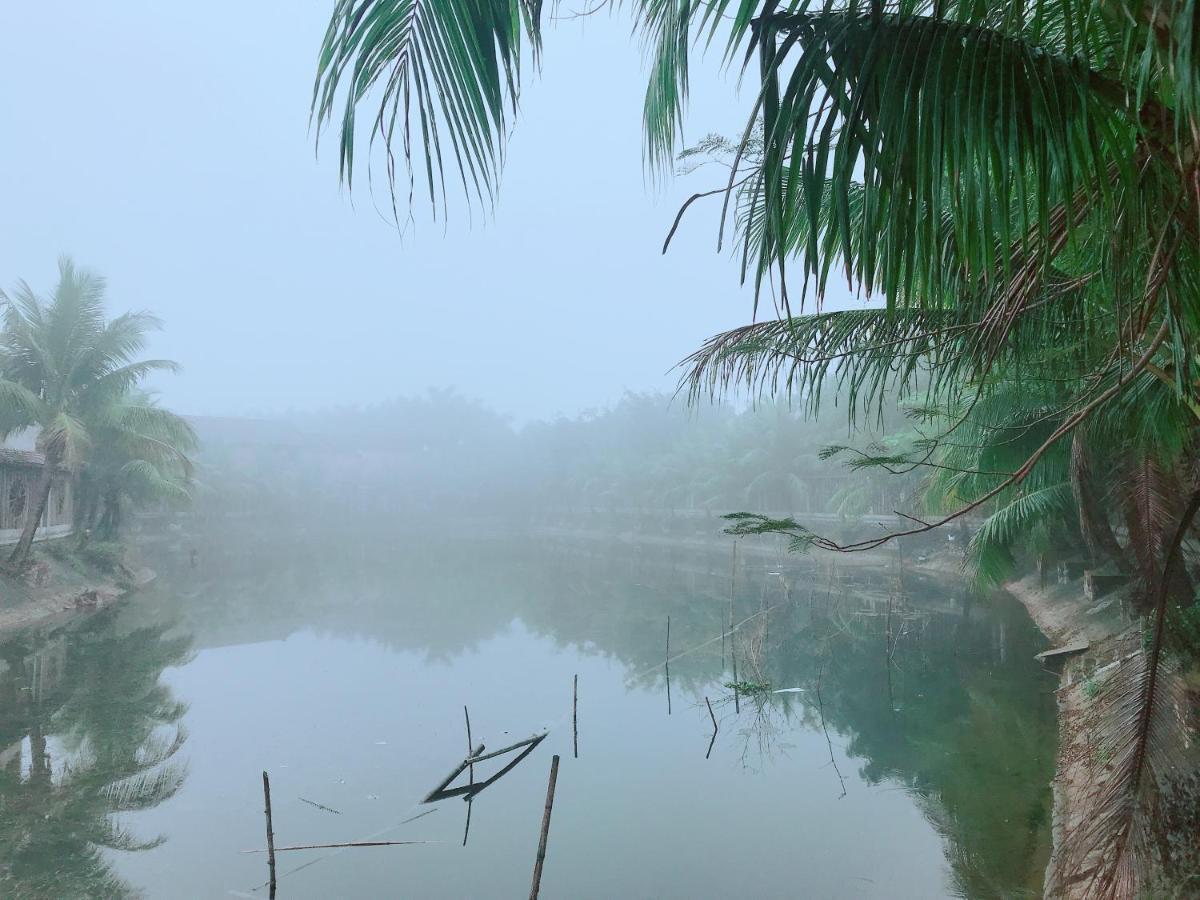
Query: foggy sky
x=166 y=146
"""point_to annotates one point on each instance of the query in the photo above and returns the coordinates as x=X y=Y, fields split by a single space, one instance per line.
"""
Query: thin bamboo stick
x=270 y=850
x=270 y=830
x=541 y=853
x=575 y=715
x=470 y=744
x=667 y=665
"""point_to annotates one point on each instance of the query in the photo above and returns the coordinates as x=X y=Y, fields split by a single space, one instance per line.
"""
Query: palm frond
x=446 y=72
x=871 y=353
x=991 y=549
x=1119 y=840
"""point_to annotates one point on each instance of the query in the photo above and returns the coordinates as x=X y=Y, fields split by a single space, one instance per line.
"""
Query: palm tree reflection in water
x=87 y=732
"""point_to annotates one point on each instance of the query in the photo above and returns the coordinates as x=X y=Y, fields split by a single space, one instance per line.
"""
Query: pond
x=892 y=737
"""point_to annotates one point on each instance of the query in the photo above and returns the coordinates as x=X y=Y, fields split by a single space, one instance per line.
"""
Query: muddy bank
x=60 y=585
x=1106 y=642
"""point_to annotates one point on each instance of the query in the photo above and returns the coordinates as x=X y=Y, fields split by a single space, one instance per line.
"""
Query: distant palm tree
x=140 y=454
x=62 y=369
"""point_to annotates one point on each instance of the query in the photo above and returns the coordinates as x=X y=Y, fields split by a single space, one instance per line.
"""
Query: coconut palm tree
x=63 y=366
x=1002 y=174
x=141 y=454
x=1018 y=182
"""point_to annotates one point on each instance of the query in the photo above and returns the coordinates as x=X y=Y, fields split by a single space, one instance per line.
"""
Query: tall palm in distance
x=141 y=454
x=63 y=367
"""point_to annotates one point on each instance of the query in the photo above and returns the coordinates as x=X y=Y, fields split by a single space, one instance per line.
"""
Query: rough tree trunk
x=1102 y=544
x=34 y=513
x=110 y=519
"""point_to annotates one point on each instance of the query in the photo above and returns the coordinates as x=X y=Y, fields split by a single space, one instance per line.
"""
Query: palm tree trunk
x=1101 y=543
x=33 y=515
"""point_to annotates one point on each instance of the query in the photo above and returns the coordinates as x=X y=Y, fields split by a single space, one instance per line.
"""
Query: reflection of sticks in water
x=328 y=809
x=828 y=742
x=667 y=665
x=766 y=618
x=737 y=703
x=713 y=740
x=575 y=715
x=630 y=679
x=541 y=852
x=442 y=791
x=471 y=776
x=270 y=851
x=732 y=583
x=270 y=830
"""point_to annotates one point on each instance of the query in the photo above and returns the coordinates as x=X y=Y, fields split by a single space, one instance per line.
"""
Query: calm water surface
x=906 y=754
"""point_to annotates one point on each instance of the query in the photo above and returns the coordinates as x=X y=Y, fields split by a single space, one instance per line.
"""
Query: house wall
x=18 y=484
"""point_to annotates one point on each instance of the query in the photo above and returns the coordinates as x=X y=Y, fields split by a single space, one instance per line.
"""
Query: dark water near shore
x=900 y=742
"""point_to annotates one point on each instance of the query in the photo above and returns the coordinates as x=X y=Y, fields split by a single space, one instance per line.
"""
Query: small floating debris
x=749 y=687
x=1059 y=654
x=791 y=691
x=328 y=809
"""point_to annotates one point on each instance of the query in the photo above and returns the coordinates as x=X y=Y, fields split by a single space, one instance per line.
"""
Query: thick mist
x=166 y=146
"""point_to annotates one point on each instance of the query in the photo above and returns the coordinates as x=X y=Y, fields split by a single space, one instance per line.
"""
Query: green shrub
x=107 y=556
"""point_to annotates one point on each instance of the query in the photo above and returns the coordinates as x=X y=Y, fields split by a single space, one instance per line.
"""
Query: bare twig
x=328 y=809
x=270 y=851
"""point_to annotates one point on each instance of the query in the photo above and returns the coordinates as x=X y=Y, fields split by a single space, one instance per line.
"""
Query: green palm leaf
x=446 y=71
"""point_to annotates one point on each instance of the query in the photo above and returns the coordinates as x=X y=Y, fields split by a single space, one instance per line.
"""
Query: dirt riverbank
x=60 y=585
x=1108 y=642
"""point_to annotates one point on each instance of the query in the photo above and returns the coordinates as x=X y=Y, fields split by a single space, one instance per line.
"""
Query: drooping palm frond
x=1118 y=841
x=870 y=353
x=1148 y=728
x=991 y=549
x=1153 y=498
x=447 y=74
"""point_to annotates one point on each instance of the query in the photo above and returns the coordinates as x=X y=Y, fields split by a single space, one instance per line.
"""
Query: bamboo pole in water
x=667 y=665
x=270 y=830
x=541 y=853
x=470 y=743
x=575 y=715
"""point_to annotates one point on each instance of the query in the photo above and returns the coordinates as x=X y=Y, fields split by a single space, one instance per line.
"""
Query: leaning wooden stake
x=541 y=853
x=270 y=830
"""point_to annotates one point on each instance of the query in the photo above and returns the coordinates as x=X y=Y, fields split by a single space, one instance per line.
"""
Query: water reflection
x=926 y=691
x=87 y=733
